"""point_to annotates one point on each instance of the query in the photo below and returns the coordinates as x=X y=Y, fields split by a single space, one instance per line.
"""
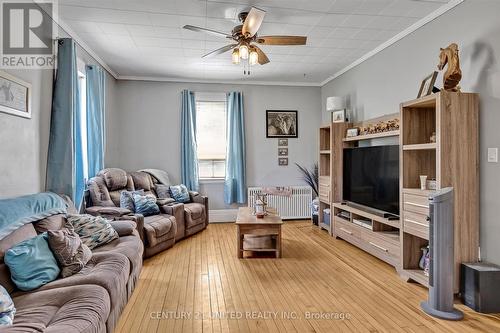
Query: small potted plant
x=311 y=178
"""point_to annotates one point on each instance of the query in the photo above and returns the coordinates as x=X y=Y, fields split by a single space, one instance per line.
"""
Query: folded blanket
x=16 y=212
x=160 y=175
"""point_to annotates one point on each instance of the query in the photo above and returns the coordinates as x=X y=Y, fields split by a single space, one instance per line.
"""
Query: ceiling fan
x=245 y=38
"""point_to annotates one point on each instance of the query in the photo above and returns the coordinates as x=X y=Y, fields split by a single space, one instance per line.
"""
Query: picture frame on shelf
x=427 y=85
x=339 y=116
x=352 y=132
x=282 y=151
x=282 y=124
x=283 y=161
x=283 y=143
x=15 y=96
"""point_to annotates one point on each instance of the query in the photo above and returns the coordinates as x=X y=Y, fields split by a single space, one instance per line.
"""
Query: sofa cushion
x=163 y=191
x=54 y=222
x=142 y=181
x=146 y=205
x=27 y=231
x=7 y=309
x=180 y=193
x=82 y=308
x=158 y=228
x=127 y=199
x=114 y=178
x=31 y=263
x=93 y=230
x=71 y=254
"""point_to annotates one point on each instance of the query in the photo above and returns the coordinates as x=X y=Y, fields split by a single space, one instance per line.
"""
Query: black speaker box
x=480 y=287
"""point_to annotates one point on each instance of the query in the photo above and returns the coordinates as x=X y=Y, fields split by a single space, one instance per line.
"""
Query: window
x=82 y=89
x=211 y=134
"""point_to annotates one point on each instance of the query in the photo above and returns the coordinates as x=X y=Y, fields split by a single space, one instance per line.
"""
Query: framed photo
x=281 y=124
x=282 y=151
x=352 y=132
x=283 y=143
x=283 y=161
x=427 y=85
x=339 y=116
x=15 y=96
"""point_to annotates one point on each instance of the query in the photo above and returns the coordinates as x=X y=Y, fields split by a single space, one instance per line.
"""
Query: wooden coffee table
x=249 y=224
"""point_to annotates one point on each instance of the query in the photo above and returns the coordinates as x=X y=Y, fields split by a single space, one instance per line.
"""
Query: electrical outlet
x=493 y=155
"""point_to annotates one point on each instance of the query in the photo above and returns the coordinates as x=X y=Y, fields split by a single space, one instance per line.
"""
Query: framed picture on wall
x=281 y=124
x=283 y=143
x=282 y=151
x=15 y=96
x=282 y=161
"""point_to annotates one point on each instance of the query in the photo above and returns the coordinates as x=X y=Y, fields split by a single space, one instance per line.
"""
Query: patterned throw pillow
x=7 y=309
x=146 y=205
x=94 y=231
x=127 y=199
x=163 y=191
x=31 y=263
x=180 y=193
x=71 y=254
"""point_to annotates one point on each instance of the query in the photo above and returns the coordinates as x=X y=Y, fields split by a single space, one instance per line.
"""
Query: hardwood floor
x=320 y=285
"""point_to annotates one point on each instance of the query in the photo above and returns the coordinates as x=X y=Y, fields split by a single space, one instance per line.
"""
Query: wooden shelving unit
x=330 y=164
x=372 y=136
x=452 y=160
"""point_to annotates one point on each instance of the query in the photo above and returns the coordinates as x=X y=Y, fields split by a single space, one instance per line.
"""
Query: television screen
x=371 y=177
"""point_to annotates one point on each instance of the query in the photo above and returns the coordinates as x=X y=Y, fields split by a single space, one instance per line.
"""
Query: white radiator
x=296 y=206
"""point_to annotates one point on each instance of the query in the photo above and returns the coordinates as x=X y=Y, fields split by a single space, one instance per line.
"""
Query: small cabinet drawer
x=346 y=230
x=379 y=246
x=324 y=193
x=416 y=204
x=416 y=224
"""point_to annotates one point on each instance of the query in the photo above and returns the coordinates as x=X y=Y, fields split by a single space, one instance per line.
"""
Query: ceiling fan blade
x=220 y=50
x=208 y=31
x=253 y=21
x=282 y=40
x=263 y=59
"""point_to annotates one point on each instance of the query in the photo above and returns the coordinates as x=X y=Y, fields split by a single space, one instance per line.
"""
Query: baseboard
x=222 y=215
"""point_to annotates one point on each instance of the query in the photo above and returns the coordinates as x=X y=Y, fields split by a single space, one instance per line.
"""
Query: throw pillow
x=127 y=199
x=31 y=263
x=94 y=231
x=7 y=309
x=163 y=191
x=146 y=205
x=71 y=254
x=180 y=193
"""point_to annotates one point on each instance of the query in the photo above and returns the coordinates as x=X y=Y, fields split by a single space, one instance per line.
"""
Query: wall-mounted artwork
x=283 y=161
x=282 y=124
x=283 y=143
x=15 y=96
x=282 y=151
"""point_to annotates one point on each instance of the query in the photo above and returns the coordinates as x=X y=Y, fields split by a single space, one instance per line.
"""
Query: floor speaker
x=480 y=287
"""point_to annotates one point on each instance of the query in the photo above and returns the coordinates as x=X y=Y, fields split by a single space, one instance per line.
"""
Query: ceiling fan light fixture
x=243 y=50
x=236 y=56
x=253 y=58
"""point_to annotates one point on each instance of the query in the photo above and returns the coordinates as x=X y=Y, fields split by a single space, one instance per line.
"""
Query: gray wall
x=144 y=130
x=377 y=86
x=23 y=148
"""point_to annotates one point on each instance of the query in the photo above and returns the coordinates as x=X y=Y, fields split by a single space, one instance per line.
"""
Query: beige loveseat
x=89 y=301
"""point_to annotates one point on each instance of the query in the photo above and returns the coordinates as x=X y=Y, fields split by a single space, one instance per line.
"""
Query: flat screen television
x=371 y=177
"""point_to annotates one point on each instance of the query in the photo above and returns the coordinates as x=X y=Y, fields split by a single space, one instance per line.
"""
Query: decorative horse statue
x=453 y=74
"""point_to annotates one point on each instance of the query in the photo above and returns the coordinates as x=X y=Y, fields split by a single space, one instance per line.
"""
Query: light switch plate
x=493 y=155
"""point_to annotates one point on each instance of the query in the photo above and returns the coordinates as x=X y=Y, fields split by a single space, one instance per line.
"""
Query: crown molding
x=417 y=25
x=242 y=82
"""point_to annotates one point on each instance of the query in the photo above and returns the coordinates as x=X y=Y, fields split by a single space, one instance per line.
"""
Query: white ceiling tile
x=145 y=38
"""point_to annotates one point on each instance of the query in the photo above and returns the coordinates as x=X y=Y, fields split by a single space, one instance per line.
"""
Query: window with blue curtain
x=65 y=165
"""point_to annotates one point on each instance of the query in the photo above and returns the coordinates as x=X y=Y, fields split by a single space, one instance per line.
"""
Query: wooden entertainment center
x=452 y=160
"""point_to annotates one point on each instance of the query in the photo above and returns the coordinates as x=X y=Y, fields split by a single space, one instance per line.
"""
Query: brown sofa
x=158 y=231
x=194 y=214
x=89 y=301
x=175 y=222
